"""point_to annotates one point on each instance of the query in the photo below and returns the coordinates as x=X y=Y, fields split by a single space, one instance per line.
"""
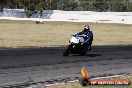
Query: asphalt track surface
x=48 y=64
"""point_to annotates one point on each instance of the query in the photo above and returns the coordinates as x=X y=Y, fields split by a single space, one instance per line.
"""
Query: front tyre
x=66 y=53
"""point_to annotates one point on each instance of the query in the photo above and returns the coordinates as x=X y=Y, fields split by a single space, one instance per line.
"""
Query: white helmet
x=86 y=26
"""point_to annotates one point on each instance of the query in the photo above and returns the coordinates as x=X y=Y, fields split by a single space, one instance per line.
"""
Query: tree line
x=33 y=6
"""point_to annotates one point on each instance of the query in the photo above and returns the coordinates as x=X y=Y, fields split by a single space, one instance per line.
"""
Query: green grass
x=16 y=34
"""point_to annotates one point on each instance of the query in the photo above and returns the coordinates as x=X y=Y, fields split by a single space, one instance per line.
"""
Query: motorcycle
x=79 y=44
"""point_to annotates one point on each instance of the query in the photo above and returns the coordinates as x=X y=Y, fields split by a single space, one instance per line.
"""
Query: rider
x=88 y=33
x=86 y=29
x=88 y=36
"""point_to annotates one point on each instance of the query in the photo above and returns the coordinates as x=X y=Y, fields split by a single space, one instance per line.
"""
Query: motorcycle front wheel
x=66 y=53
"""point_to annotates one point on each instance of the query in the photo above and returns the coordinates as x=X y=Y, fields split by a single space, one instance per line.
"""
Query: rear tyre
x=89 y=48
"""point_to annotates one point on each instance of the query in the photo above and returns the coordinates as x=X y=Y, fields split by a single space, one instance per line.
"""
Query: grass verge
x=19 y=34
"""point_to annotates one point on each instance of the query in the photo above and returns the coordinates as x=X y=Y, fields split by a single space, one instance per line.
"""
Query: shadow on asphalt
x=93 y=55
x=89 y=55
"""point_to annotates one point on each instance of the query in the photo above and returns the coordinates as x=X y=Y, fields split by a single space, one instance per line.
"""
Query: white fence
x=73 y=16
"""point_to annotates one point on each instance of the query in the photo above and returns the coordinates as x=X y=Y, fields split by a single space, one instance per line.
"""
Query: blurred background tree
x=34 y=6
